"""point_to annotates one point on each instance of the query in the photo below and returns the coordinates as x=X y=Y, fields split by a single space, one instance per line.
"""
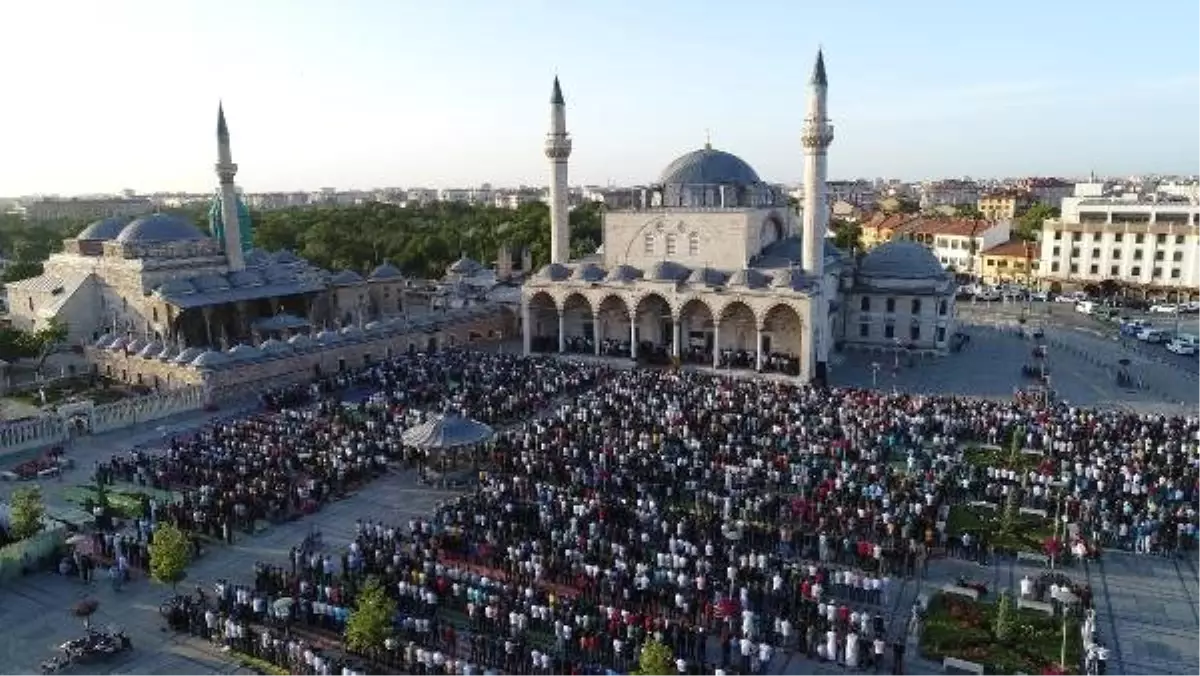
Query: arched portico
x=736 y=336
x=654 y=331
x=697 y=332
x=781 y=340
x=578 y=325
x=542 y=323
x=612 y=326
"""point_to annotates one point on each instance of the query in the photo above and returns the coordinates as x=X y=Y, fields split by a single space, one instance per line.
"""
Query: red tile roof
x=961 y=227
x=1013 y=247
x=886 y=221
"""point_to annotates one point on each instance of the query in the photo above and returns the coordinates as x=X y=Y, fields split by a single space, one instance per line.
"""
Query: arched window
x=916 y=306
x=942 y=307
x=865 y=304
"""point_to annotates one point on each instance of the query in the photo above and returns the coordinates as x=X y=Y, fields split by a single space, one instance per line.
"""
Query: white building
x=956 y=242
x=949 y=193
x=710 y=265
x=49 y=209
x=1149 y=244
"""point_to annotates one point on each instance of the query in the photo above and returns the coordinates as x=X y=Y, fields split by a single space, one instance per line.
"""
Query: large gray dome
x=103 y=230
x=901 y=259
x=157 y=228
x=709 y=167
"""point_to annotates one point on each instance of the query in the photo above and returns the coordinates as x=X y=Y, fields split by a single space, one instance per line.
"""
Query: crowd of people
x=735 y=520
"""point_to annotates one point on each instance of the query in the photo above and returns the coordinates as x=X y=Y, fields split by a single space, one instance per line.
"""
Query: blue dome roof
x=103 y=230
x=160 y=228
x=901 y=259
x=708 y=166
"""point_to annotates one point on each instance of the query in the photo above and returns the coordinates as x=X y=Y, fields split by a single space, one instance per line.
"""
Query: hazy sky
x=101 y=96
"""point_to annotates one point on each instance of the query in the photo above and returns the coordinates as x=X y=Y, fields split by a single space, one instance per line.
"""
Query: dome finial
x=708 y=139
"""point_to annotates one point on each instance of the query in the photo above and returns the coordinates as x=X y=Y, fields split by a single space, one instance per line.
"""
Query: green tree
x=656 y=659
x=170 y=552
x=968 y=211
x=1029 y=223
x=371 y=622
x=25 y=511
x=1002 y=628
x=847 y=236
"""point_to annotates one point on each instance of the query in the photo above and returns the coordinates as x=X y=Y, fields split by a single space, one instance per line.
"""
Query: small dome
x=623 y=273
x=176 y=287
x=160 y=228
x=589 y=272
x=709 y=167
x=464 y=266
x=386 y=271
x=188 y=355
x=151 y=350
x=285 y=257
x=210 y=359
x=244 y=279
x=300 y=341
x=275 y=346
x=555 y=272
x=346 y=278
x=103 y=230
x=788 y=279
x=104 y=341
x=373 y=326
x=901 y=259
x=119 y=343
x=668 y=271
x=210 y=283
x=278 y=274
x=168 y=353
x=136 y=345
x=328 y=336
x=751 y=279
x=244 y=352
x=256 y=258
x=351 y=331
x=706 y=277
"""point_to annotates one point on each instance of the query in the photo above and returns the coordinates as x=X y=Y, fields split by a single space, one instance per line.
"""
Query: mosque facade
x=712 y=266
x=155 y=301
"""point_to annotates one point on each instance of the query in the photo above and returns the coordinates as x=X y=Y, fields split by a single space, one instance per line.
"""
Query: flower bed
x=958 y=627
x=1030 y=532
x=1001 y=457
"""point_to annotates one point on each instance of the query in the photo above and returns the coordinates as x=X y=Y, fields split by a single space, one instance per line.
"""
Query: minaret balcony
x=558 y=146
x=817 y=137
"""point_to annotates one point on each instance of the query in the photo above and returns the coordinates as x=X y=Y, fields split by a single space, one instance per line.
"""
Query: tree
x=170 y=552
x=655 y=659
x=48 y=339
x=84 y=611
x=970 y=211
x=25 y=511
x=847 y=236
x=1029 y=223
x=371 y=622
x=1003 y=623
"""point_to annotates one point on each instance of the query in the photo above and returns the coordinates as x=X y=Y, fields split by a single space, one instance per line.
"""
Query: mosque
x=158 y=302
x=712 y=266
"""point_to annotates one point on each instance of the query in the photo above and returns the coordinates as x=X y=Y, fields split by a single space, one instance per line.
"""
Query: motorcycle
x=980 y=587
x=94 y=646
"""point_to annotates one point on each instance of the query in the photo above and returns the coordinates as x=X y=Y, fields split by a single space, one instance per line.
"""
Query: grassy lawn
x=101 y=391
x=1000 y=457
x=959 y=627
x=126 y=504
x=1028 y=534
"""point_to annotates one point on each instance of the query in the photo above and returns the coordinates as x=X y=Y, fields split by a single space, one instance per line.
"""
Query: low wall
x=34 y=552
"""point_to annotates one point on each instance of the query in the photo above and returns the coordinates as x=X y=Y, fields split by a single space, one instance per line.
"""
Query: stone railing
x=21 y=435
x=144 y=409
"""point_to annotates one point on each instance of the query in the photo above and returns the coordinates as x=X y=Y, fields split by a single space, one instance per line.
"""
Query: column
x=675 y=338
x=526 y=329
x=633 y=346
x=716 y=355
x=596 y=335
x=758 y=348
x=562 y=331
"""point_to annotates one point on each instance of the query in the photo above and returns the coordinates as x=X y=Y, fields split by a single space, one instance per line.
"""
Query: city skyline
x=377 y=94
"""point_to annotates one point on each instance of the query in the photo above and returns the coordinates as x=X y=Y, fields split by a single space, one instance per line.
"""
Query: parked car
x=1190 y=308
x=987 y=295
x=1132 y=327
x=1086 y=307
x=1151 y=335
x=1184 y=344
x=1164 y=308
x=1040 y=296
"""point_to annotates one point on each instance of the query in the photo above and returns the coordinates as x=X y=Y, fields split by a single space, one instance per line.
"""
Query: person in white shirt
x=1026 y=587
x=877 y=659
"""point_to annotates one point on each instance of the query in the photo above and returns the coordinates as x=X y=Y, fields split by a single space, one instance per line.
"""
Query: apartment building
x=1149 y=244
x=1013 y=261
x=881 y=227
x=1048 y=191
x=951 y=192
x=956 y=242
x=1003 y=204
x=85 y=208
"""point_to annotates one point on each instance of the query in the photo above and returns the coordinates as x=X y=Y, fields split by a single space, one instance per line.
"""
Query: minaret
x=558 y=149
x=226 y=170
x=817 y=136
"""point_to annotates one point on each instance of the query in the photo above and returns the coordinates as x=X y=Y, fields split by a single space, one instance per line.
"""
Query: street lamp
x=874 y=374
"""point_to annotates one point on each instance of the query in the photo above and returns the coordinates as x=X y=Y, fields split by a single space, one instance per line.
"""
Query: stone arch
x=770 y=231
x=578 y=323
x=739 y=327
x=695 y=318
x=783 y=330
x=543 y=322
x=612 y=321
x=654 y=318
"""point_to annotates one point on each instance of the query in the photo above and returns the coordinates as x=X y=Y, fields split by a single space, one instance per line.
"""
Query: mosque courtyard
x=1145 y=605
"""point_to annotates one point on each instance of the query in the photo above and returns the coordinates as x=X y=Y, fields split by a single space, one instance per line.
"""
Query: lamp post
x=875 y=374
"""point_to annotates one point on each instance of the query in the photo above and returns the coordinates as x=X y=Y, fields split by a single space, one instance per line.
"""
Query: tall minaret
x=226 y=170
x=817 y=136
x=558 y=149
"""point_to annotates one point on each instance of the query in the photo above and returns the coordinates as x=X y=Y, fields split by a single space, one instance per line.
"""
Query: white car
x=1152 y=335
x=1181 y=346
x=1041 y=296
x=1165 y=309
x=987 y=294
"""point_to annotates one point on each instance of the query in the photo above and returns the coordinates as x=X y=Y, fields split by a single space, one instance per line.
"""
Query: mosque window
x=670 y=244
x=693 y=244
x=31 y=303
x=915 y=332
x=865 y=304
x=648 y=244
x=889 y=330
x=891 y=305
x=916 y=306
x=864 y=330
x=941 y=334
x=155 y=313
x=942 y=307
